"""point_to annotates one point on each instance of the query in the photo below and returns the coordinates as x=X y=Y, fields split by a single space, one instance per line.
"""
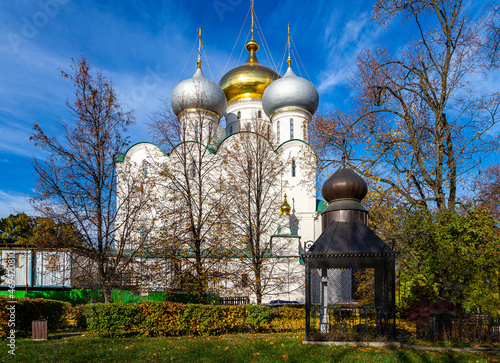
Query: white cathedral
x=253 y=100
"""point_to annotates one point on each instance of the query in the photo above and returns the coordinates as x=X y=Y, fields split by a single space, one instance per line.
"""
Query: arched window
x=278 y=132
x=238 y=115
x=291 y=128
x=231 y=130
x=145 y=168
x=259 y=114
x=249 y=126
x=293 y=167
x=304 y=130
x=196 y=131
x=193 y=171
x=250 y=168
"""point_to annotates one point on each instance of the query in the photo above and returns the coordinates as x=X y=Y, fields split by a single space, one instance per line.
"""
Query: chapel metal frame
x=349 y=270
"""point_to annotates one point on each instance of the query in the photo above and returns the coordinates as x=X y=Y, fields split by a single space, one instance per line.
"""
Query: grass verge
x=225 y=348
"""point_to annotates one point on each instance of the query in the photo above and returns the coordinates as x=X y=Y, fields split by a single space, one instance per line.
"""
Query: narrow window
x=238 y=115
x=293 y=167
x=231 y=130
x=249 y=126
x=268 y=131
x=250 y=168
x=278 y=131
x=196 y=131
x=194 y=169
x=291 y=128
x=304 y=130
x=259 y=114
x=144 y=168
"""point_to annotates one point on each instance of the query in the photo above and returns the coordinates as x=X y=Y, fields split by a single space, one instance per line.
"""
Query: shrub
x=57 y=314
x=112 y=319
x=215 y=319
x=160 y=318
x=420 y=311
x=258 y=317
x=78 y=319
x=288 y=318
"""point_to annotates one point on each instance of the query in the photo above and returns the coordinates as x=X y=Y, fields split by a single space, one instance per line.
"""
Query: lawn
x=226 y=348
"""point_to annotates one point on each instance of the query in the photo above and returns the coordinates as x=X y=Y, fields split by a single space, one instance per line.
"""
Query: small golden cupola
x=285 y=208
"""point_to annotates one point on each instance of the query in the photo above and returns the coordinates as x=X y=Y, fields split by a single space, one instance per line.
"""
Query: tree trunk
x=258 y=285
x=107 y=294
x=199 y=281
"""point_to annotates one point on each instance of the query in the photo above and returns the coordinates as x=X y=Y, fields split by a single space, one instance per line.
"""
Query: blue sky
x=143 y=46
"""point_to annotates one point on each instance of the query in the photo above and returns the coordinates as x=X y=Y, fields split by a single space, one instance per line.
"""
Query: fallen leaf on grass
x=226 y=348
x=256 y=354
x=285 y=357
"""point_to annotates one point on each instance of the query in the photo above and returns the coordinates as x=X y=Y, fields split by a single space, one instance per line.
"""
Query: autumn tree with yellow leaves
x=421 y=119
x=78 y=182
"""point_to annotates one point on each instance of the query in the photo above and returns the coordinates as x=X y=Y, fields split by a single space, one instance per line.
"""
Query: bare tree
x=193 y=199
x=78 y=180
x=420 y=116
x=487 y=187
x=254 y=171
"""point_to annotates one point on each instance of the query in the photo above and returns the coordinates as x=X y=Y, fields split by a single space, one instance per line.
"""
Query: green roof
x=321 y=205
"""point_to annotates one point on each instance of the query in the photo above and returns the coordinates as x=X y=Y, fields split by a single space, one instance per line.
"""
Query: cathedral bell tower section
x=198 y=104
x=244 y=87
x=290 y=102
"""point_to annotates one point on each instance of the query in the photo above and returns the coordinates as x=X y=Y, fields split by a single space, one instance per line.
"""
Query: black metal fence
x=472 y=329
x=235 y=300
x=351 y=323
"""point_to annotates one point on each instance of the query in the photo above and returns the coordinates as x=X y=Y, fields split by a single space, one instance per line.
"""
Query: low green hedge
x=170 y=319
x=57 y=313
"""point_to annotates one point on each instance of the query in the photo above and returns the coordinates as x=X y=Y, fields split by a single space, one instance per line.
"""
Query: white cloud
x=344 y=45
x=12 y=203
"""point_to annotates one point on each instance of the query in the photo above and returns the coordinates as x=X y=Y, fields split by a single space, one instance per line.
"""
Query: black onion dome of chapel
x=344 y=184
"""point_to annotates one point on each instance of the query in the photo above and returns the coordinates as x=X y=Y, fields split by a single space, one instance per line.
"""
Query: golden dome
x=285 y=208
x=248 y=80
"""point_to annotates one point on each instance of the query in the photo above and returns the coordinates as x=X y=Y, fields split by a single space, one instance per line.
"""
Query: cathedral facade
x=256 y=175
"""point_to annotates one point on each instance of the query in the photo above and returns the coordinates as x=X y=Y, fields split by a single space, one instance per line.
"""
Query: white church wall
x=290 y=123
x=248 y=111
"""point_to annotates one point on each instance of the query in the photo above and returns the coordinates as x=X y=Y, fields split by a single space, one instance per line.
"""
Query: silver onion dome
x=198 y=93
x=290 y=91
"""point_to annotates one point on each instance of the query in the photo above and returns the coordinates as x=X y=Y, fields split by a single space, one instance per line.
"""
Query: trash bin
x=39 y=330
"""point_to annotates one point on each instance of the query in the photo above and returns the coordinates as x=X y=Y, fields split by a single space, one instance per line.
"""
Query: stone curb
x=401 y=345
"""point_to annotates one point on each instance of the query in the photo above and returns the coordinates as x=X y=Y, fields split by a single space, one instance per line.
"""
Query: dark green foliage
x=57 y=313
x=16 y=228
x=111 y=319
x=450 y=257
x=79 y=318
